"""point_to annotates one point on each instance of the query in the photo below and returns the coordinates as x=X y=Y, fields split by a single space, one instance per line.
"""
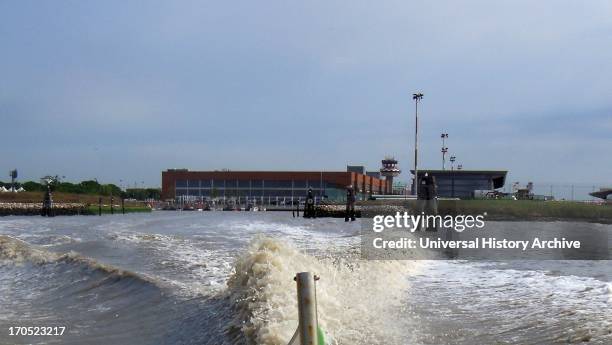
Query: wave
x=98 y=303
x=18 y=251
x=522 y=306
x=358 y=301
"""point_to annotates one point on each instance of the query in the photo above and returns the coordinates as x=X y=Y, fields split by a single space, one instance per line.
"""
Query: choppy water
x=226 y=278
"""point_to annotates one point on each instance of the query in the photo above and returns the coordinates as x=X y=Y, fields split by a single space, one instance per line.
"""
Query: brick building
x=267 y=185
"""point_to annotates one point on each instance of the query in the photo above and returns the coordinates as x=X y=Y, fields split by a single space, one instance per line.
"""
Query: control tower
x=389 y=170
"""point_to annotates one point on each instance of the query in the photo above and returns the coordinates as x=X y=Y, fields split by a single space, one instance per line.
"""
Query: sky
x=121 y=90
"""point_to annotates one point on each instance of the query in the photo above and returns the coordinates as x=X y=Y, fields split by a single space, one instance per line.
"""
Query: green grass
x=93 y=209
x=529 y=209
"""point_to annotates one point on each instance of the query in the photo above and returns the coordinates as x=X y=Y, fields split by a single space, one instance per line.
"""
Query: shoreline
x=35 y=209
x=63 y=209
x=494 y=210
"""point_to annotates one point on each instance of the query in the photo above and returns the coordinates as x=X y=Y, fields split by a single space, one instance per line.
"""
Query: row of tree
x=143 y=193
x=85 y=187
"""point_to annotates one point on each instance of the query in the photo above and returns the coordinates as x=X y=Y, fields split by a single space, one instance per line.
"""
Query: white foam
x=358 y=303
x=206 y=268
x=514 y=298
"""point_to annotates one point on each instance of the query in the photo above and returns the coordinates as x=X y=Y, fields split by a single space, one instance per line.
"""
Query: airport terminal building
x=269 y=186
x=465 y=183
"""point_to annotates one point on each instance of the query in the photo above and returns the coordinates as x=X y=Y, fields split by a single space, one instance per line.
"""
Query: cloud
x=518 y=85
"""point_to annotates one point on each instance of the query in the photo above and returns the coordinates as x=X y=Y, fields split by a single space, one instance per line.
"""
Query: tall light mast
x=452 y=159
x=444 y=150
x=417 y=97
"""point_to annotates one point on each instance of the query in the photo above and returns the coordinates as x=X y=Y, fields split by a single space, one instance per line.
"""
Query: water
x=227 y=278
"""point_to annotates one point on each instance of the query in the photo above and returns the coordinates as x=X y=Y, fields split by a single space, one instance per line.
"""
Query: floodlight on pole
x=452 y=159
x=417 y=97
x=444 y=150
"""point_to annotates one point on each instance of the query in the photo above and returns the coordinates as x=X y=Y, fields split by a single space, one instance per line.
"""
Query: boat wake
x=98 y=303
x=359 y=302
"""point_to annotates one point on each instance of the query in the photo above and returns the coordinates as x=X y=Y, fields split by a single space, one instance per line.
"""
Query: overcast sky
x=121 y=90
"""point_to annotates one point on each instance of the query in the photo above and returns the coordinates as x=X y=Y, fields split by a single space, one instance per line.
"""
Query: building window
x=300 y=184
x=231 y=184
x=300 y=192
x=277 y=192
x=181 y=183
x=278 y=184
x=333 y=185
x=314 y=183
